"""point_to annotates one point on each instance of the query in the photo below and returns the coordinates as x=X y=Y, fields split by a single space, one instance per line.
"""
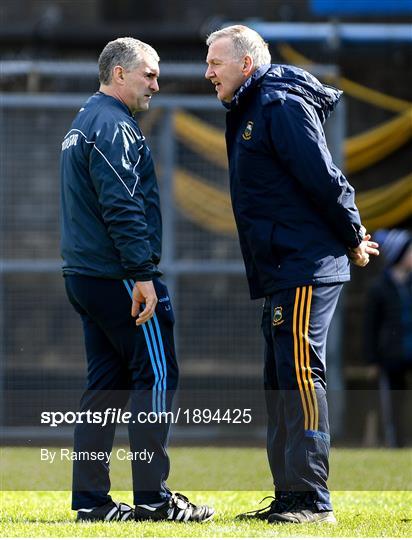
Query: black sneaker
x=278 y=504
x=301 y=512
x=110 y=511
x=176 y=508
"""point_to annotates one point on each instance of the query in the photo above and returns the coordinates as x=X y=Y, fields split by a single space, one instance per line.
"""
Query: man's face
x=140 y=84
x=226 y=73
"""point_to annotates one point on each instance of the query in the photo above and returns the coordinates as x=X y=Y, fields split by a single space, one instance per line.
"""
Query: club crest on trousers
x=278 y=316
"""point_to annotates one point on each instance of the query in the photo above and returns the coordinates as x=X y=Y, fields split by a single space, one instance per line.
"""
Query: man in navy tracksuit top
x=297 y=223
x=111 y=246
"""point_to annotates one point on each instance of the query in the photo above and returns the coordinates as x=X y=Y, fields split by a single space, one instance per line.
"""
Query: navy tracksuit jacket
x=110 y=212
x=111 y=237
x=296 y=217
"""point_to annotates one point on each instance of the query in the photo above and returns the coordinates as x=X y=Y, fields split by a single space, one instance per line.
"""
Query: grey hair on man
x=126 y=52
x=245 y=42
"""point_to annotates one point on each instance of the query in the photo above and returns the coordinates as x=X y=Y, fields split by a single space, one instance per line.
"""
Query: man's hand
x=143 y=293
x=360 y=255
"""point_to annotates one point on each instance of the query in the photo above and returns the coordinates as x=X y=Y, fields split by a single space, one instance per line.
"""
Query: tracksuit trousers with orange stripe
x=295 y=324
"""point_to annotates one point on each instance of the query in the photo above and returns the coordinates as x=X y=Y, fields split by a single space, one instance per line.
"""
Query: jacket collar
x=278 y=81
x=116 y=101
x=247 y=86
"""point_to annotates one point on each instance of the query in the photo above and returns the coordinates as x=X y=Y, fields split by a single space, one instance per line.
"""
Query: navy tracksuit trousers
x=295 y=323
x=123 y=362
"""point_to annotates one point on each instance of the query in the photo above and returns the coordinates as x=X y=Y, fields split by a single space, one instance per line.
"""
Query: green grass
x=217 y=469
x=374 y=512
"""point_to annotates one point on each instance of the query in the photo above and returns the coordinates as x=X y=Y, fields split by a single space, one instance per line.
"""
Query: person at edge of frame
x=388 y=318
x=298 y=228
x=111 y=247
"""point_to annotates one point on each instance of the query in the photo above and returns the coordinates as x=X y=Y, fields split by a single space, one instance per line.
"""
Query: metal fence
x=217 y=331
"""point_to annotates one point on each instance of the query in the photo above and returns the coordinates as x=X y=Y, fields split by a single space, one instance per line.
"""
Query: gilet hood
x=277 y=81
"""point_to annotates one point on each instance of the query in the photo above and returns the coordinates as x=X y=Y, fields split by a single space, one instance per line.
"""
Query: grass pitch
x=377 y=512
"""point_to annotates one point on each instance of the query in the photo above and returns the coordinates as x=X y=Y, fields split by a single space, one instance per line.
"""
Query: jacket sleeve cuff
x=359 y=235
x=146 y=275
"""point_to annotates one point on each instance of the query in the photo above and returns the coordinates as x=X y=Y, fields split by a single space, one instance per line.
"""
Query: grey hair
x=245 y=42
x=125 y=52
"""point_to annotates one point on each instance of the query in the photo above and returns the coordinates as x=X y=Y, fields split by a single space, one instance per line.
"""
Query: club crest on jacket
x=247 y=134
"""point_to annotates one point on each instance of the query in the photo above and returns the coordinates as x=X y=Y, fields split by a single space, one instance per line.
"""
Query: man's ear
x=118 y=75
x=247 y=66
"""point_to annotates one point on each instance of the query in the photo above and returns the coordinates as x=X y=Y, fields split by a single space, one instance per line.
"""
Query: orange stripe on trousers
x=302 y=362
x=314 y=426
x=296 y=349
